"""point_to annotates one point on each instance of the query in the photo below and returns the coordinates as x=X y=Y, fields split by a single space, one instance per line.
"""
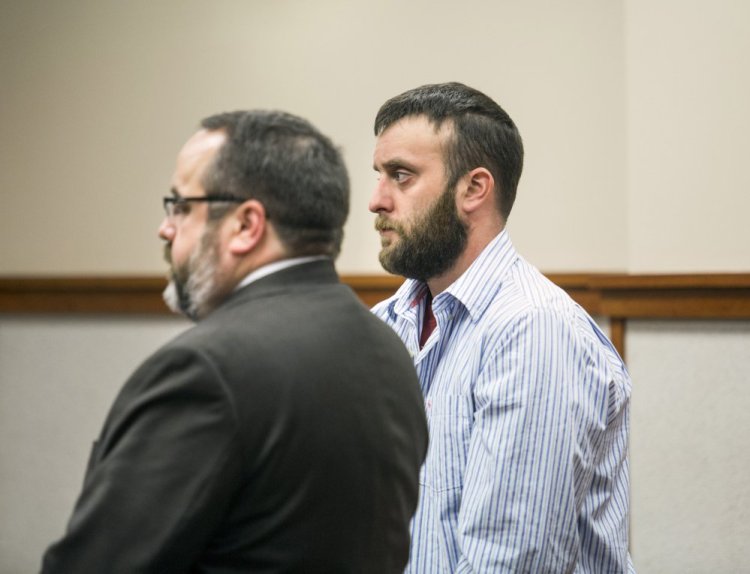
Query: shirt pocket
x=450 y=419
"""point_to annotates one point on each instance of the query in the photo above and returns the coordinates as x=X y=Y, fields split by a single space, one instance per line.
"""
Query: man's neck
x=475 y=246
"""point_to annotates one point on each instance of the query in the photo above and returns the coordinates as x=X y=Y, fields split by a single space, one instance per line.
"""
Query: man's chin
x=172 y=298
x=386 y=261
x=175 y=302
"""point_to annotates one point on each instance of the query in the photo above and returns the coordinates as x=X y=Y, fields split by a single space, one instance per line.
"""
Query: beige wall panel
x=689 y=453
x=688 y=135
x=97 y=97
x=58 y=379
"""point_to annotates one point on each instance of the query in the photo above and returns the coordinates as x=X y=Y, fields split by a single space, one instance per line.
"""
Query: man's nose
x=166 y=230
x=381 y=199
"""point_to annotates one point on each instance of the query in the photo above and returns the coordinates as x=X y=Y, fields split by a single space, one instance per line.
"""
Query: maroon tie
x=428 y=324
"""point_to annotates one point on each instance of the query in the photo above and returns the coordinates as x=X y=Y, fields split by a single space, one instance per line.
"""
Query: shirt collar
x=275 y=266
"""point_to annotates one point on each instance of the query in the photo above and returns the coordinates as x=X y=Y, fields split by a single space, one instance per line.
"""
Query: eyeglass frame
x=171 y=202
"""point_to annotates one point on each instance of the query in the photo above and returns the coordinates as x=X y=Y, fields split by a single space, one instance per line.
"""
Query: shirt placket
x=428 y=358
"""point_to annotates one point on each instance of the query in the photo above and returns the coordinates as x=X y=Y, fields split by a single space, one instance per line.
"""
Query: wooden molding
x=716 y=296
x=705 y=296
x=87 y=295
x=616 y=297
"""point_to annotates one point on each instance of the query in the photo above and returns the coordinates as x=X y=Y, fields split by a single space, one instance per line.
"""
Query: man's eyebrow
x=394 y=164
x=174 y=192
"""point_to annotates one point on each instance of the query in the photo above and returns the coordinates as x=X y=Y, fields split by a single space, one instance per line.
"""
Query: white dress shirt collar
x=276 y=266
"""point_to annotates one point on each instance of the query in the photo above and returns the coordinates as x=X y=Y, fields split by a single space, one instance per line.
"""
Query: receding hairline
x=444 y=128
x=438 y=124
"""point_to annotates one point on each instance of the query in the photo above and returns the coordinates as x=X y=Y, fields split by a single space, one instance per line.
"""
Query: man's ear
x=477 y=188
x=247 y=227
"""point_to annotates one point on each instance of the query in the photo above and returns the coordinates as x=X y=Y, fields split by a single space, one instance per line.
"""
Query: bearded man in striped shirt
x=527 y=401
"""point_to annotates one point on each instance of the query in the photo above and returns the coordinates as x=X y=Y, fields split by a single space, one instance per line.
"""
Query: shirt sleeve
x=161 y=476
x=540 y=414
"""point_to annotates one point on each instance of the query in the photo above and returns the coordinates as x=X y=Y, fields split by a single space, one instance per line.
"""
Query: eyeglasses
x=177 y=205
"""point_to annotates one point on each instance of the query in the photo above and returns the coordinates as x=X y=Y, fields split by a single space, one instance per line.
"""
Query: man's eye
x=181 y=207
x=400 y=176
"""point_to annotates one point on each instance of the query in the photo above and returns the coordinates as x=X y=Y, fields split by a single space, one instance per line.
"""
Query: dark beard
x=431 y=246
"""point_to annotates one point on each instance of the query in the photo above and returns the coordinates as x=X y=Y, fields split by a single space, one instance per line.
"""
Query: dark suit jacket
x=283 y=433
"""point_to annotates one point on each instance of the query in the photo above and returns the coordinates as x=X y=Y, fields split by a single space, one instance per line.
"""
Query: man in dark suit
x=285 y=431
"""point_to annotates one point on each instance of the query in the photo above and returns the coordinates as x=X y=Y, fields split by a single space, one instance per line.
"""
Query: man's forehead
x=412 y=138
x=203 y=141
x=196 y=155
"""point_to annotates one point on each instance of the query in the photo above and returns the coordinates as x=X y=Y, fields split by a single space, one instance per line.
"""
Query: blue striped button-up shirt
x=528 y=407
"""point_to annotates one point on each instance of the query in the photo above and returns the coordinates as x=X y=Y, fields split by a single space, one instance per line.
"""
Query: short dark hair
x=295 y=171
x=484 y=135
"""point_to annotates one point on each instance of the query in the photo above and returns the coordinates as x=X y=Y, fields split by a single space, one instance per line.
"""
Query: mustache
x=383 y=224
x=168 y=253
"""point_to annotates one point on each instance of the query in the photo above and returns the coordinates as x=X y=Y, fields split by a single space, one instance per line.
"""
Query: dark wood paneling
x=616 y=297
x=724 y=296
x=710 y=296
x=116 y=295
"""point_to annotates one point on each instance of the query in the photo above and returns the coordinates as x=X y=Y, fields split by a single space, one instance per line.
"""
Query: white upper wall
x=688 y=70
x=98 y=97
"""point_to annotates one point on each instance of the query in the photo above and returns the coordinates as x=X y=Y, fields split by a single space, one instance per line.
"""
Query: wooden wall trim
x=616 y=297
x=716 y=296
x=703 y=296
x=86 y=295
